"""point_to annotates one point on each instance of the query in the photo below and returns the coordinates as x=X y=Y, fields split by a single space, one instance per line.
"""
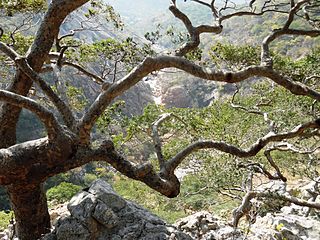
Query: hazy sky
x=150 y=6
x=143 y=12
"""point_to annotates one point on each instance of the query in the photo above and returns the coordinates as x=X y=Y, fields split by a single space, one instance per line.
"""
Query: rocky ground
x=100 y=213
x=273 y=226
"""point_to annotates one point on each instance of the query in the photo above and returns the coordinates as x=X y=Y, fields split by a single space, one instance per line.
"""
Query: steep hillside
x=250 y=30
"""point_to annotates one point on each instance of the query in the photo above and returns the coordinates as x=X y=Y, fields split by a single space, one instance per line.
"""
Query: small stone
x=212 y=226
x=3 y=236
x=205 y=229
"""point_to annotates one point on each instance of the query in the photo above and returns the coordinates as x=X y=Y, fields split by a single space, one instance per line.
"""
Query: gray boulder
x=99 y=213
x=205 y=226
x=285 y=226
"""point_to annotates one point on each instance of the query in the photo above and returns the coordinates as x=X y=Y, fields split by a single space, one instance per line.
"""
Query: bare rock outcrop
x=205 y=226
x=285 y=226
x=273 y=226
x=99 y=213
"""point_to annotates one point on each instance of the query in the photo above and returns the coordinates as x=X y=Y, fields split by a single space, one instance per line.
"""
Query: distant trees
x=68 y=144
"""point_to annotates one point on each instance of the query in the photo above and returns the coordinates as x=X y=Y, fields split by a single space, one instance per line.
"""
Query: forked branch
x=245 y=206
x=150 y=65
x=236 y=151
x=46 y=116
x=166 y=182
x=285 y=30
x=22 y=63
x=194 y=32
x=156 y=138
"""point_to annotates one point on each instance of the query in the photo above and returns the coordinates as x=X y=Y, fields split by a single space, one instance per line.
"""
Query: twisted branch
x=22 y=63
x=150 y=65
x=46 y=116
x=265 y=52
x=246 y=203
x=194 y=32
x=242 y=153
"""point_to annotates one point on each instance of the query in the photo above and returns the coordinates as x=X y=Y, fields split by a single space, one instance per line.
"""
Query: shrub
x=4 y=219
x=63 y=192
x=89 y=178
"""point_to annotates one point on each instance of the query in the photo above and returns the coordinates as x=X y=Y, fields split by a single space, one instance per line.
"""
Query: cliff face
x=178 y=89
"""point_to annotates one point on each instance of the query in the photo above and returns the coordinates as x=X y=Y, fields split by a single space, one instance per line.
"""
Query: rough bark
x=29 y=202
x=31 y=210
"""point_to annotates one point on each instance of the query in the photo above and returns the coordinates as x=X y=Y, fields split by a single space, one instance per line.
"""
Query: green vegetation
x=76 y=98
x=21 y=42
x=5 y=219
x=191 y=198
x=231 y=56
x=204 y=189
x=13 y=7
x=62 y=192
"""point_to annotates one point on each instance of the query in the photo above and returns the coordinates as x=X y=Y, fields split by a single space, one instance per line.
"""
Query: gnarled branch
x=150 y=65
x=236 y=151
x=194 y=32
x=46 y=116
x=22 y=63
x=156 y=138
x=246 y=203
x=285 y=30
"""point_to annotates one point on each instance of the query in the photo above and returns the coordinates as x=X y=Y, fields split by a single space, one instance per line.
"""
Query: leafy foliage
x=195 y=196
x=5 y=219
x=239 y=56
x=12 y=7
x=98 y=7
x=18 y=41
x=126 y=51
x=304 y=69
x=63 y=192
x=226 y=55
x=219 y=121
x=76 y=97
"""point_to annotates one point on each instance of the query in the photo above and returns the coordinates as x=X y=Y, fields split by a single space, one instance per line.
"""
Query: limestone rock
x=177 y=96
x=99 y=213
x=204 y=226
x=285 y=226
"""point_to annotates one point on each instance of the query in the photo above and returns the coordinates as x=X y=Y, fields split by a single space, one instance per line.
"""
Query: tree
x=25 y=166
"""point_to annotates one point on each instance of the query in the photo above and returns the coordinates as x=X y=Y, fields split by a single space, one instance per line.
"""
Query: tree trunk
x=30 y=207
